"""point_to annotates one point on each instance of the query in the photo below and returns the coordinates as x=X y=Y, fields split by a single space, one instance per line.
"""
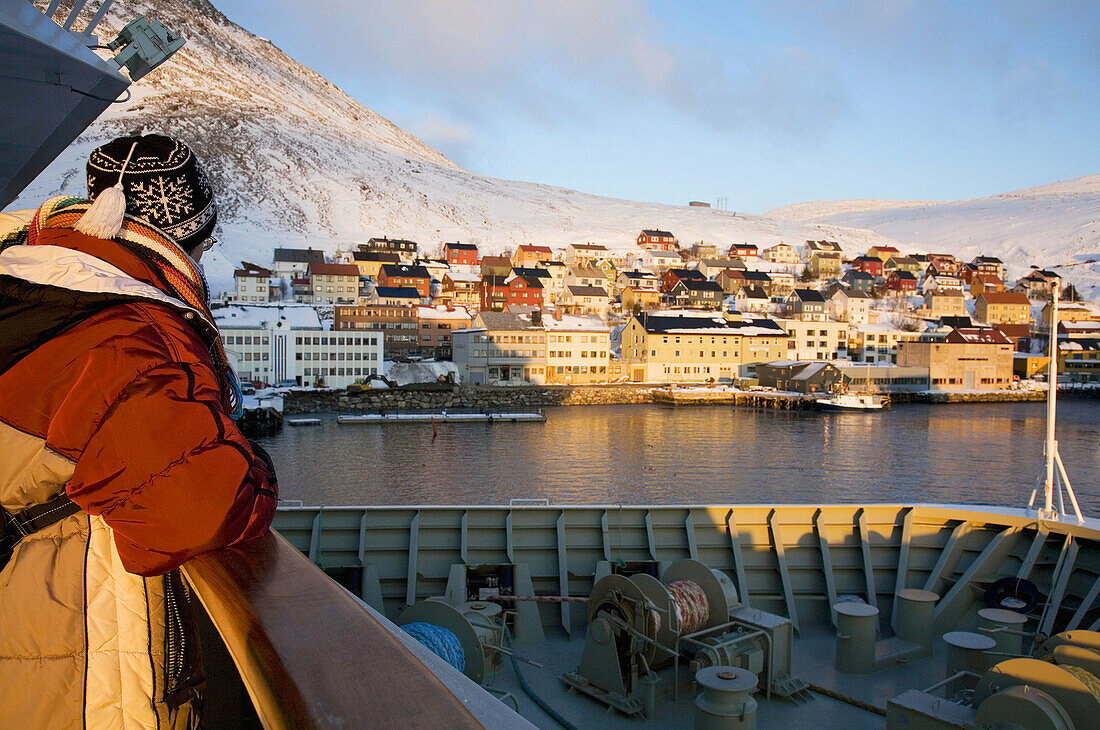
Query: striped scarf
x=155 y=248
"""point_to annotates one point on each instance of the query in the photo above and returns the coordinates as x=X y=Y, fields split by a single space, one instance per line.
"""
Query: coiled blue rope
x=442 y=642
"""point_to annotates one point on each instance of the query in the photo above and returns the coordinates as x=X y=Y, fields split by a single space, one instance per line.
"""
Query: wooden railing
x=308 y=654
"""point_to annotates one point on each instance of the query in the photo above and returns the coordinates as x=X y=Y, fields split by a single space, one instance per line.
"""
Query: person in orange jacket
x=120 y=458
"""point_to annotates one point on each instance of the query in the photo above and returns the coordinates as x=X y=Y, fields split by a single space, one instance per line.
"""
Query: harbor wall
x=466 y=396
x=533 y=397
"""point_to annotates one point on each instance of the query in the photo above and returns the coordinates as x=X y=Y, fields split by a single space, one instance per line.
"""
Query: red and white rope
x=690 y=603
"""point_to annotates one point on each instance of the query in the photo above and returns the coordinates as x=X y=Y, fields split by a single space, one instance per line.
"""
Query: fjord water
x=631 y=454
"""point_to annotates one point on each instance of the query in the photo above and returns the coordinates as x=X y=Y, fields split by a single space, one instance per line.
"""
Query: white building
x=849 y=305
x=279 y=342
x=293 y=263
x=254 y=284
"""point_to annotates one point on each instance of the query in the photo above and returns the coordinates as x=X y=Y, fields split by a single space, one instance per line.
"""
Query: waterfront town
x=804 y=317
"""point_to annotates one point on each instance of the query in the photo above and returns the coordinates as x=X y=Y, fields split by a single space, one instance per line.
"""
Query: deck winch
x=638 y=624
x=1057 y=689
x=469 y=636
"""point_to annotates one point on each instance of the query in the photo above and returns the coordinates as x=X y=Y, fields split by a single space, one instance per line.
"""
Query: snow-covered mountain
x=296 y=162
x=1045 y=226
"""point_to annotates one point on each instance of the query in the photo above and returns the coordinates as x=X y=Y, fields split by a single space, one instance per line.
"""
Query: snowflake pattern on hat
x=163 y=183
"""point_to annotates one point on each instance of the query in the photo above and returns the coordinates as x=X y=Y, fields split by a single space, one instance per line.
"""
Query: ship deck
x=793 y=562
x=813 y=663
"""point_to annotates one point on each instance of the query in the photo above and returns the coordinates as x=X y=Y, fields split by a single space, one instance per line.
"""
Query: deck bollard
x=725 y=702
x=916 y=611
x=1004 y=627
x=856 y=629
x=966 y=651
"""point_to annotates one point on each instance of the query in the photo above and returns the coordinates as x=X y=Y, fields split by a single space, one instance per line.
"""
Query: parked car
x=248 y=389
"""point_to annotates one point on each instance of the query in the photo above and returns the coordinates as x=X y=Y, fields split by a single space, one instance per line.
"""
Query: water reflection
x=988 y=453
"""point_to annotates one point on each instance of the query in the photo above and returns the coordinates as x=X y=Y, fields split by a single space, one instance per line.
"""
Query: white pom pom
x=104 y=218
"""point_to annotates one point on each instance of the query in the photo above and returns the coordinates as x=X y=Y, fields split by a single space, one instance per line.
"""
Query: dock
x=443 y=417
x=749 y=399
x=303 y=421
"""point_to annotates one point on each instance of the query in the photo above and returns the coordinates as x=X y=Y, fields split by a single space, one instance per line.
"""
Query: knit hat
x=154 y=178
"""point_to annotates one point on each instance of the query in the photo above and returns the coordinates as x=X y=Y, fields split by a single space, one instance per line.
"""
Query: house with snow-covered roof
x=278 y=342
x=253 y=283
x=811 y=248
x=801 y=376
x=294 y=262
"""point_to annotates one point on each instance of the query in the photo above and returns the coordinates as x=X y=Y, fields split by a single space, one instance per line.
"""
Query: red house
x=498 y=292
x=398 y=275
x=743 y=251
x=674 y=276
x=460 y=253
x=657 y=240
x=901 y=283
x=869 y=265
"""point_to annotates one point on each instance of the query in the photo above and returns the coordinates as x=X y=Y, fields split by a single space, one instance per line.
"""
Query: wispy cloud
x=550 y=61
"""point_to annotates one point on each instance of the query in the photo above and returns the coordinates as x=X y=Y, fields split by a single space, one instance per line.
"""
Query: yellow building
x=810 y=340
x=877 y=343
x=695 y=347
x=780 y=253
x=944 y=303
x=1072 y=312
x=462 y=289
x=645 y=297
x=370 y=263
x=1005 y=307
x=529 y=256
x=824 y=264
x=578 y=349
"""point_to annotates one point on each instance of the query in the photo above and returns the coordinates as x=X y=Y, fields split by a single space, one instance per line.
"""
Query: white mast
x=1048 y=477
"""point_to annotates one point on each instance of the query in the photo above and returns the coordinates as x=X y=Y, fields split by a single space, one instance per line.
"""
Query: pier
x=746 y=399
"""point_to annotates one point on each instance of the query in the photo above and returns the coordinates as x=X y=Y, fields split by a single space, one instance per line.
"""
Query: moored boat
x=852 y=402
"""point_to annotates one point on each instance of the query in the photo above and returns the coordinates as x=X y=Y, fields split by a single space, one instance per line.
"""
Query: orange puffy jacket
x=109 y=393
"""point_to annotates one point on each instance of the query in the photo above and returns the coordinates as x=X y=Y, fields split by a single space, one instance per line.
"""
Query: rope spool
x=1087 y=678
x=441 y=628
x=690 y=603
x=441 y=641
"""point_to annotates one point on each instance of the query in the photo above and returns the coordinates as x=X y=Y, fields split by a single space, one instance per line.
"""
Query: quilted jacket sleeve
x=170 y=473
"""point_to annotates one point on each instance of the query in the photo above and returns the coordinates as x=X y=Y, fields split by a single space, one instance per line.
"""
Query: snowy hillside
x=1044 y=226
x=297 y=162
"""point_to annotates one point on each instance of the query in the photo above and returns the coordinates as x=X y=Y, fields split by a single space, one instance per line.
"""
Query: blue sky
x=764 y=103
